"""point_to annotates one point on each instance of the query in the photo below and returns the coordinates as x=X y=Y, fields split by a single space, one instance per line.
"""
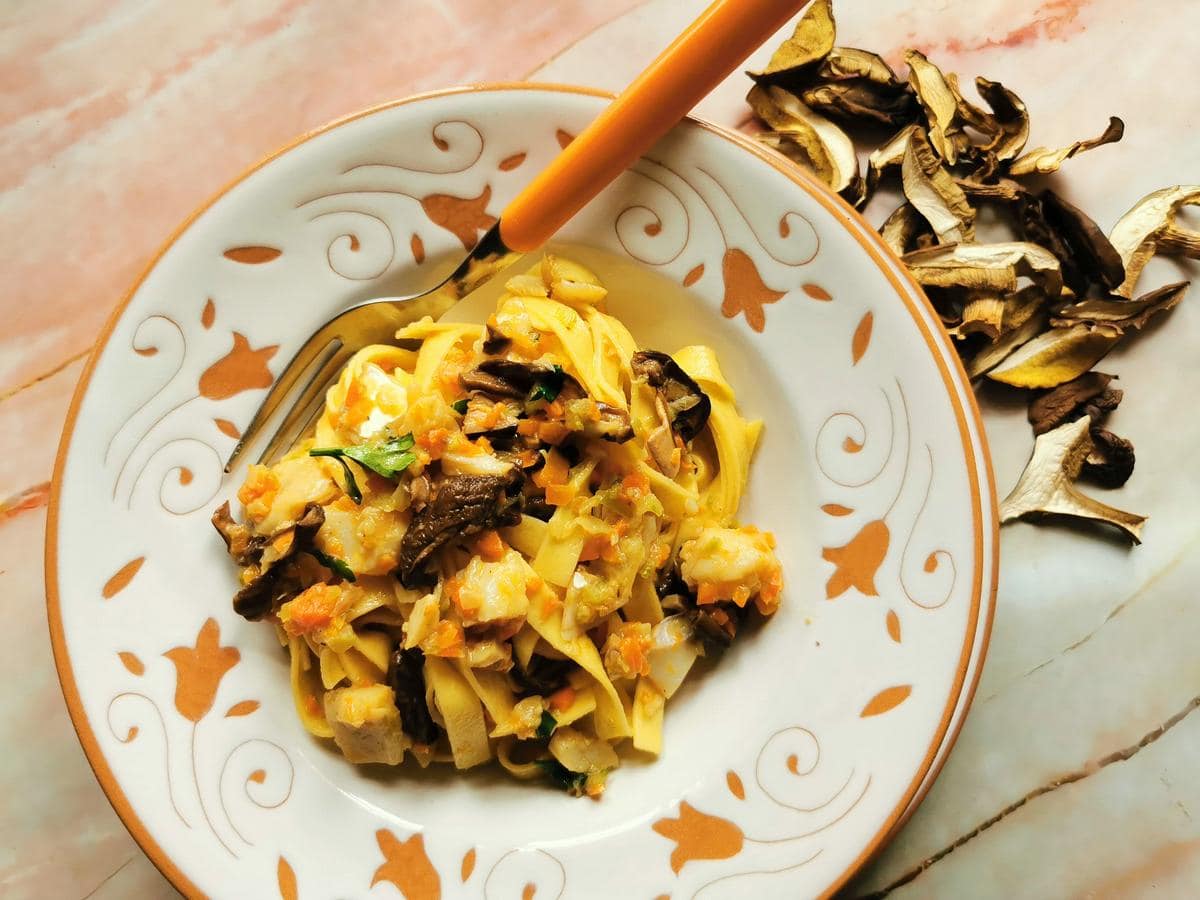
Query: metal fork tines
x=301 y=386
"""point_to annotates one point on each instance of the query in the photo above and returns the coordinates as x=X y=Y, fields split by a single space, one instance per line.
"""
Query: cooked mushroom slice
x=485 y=383
x=500 y=377
x=598 y=420
x=661 y=442
x=496 y=341
x=542 y=675
x=277 y=579
x=484 y=416
x=461 y=505
x=687 y=405
x=407 y=678
x=243 y=544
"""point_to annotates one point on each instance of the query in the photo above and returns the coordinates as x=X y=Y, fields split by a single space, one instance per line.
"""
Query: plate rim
x=954 y=378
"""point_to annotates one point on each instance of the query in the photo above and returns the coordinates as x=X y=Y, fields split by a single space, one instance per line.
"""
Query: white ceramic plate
x=785 y=765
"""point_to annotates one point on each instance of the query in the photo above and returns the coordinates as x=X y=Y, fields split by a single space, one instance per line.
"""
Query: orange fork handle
x=696 y=62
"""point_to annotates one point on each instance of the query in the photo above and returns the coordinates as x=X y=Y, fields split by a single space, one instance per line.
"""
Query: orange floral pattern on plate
x=199 y=670
x=858 y=561
x=698 y=835
x=464 y=217
x=745 y=291
x=407 y=867
x=241 y=369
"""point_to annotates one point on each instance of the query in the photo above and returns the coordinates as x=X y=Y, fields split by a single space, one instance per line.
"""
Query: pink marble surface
x=1075 y=775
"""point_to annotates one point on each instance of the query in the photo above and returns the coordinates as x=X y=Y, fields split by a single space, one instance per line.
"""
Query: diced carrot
x=552 y=432
x=492 y=419
x=468 y=601
x=611 y=553
x=620 y=527
x=634 y=486
x=741 y=594
x=707 y=592
x=489 y=546
x=446 y=640
x=483 y=445
x=533 y=584
x=555 y=409
x=560 y=494
x=434 y=442
x=550 y=602
x=311 y=706
x=594 y=547
x=555 y=471
x=311 y=610
x=561 y=699
x=258 y=492
x=528 y=427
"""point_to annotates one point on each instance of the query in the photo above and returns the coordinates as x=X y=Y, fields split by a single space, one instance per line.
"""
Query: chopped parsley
x=548 y=387
x=460 y=406
x=546 y=726
x=562 y=777
x=388 y=458
x=338 y=566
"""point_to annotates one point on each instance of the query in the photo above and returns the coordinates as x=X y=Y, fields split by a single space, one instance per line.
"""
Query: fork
x=708 y=50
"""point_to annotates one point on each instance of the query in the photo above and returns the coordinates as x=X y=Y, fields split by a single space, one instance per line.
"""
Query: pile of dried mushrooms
x=1037 y=312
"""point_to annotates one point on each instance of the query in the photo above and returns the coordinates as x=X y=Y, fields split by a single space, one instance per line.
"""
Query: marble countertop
x=1075 y=772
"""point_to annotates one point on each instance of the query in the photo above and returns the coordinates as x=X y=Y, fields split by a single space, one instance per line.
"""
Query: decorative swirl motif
x=188 y=491
x=345 y=252
x=785 y=760
x=148 y=340
x=445 y=136
x=526 y=874
x=258 y=784
x=933 y=559
x=744 y=891
x=131 y=733
x=850 y=438
x=639 y=221
x=805 y=236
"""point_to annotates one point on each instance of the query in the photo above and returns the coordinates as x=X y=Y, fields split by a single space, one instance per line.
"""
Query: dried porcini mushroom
x=903 y=228
x=1046 y=487
x=931 y=189
x=1010 y=116
x=1056 y=356
x=958 y=162
x=1089 y=395
x=862 y=100
x=993 y=267
x=1111 y=461
x=811 y=41
x=1176 y=241
x=845 y=63
x=801 y=134
x=939 y=102
x=1090 y=250
x=1043 y=160
x=1134 y=237
x=1122 y=314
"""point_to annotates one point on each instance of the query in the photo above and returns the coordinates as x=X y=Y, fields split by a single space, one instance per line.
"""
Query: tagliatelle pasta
x=511 y=544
